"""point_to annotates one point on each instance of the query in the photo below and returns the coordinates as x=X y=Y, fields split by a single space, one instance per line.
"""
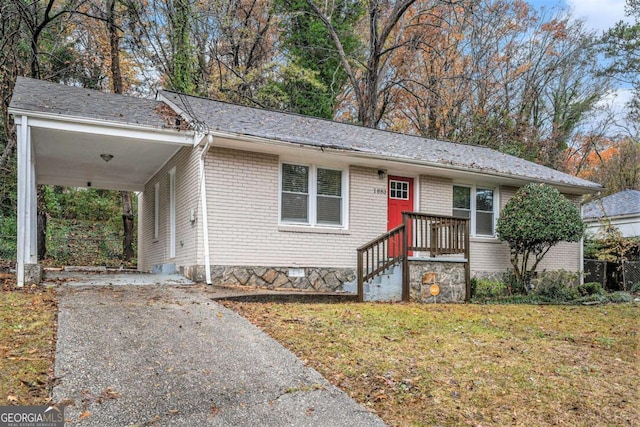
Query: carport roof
x=86 y=138
x=53 y=98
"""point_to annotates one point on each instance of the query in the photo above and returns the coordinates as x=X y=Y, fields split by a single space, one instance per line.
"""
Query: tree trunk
x=114 y=44
x=127 y=223
x=116 y=83
x=42 y=224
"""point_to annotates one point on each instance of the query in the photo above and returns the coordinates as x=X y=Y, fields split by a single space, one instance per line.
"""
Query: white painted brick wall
x=188 y=249
x=243 y=216
x=436 y=195
x=491 y=255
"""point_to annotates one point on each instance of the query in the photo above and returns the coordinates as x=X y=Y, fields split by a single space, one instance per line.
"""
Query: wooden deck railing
x=438 y=235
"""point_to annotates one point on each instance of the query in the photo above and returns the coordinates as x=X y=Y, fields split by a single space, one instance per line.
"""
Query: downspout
x=203 y=206
x=581 y=251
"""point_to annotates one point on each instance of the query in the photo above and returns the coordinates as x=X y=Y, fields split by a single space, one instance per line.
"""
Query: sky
x=599 y=15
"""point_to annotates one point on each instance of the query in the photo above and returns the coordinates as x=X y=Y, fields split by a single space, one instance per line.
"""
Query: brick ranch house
x=230 y=194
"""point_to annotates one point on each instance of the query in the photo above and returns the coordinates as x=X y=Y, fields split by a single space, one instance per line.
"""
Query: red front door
x=400 y=199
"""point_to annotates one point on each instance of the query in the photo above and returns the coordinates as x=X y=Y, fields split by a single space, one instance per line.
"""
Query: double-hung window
x=312 y=195
x=478 y=204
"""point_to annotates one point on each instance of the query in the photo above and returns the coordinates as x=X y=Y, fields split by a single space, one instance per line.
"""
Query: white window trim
x=156 y=211
x=472 y=208
x=172 y=213
x=312 y=197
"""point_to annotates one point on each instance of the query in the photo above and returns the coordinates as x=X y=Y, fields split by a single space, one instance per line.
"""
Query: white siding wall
x=243 y=216
x=188 y=250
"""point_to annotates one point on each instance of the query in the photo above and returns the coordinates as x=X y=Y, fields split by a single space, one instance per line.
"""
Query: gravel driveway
x=168 y=355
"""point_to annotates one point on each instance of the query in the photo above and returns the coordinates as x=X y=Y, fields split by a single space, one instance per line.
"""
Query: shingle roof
x=41 y=96
x=626 y=202
x=299 y=129
x=46 y=97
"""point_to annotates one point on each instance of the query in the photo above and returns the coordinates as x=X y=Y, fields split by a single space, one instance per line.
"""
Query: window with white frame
x=312 y=195
x=479 y=205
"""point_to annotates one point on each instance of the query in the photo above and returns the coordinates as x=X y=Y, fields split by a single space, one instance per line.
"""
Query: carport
x=71 y=136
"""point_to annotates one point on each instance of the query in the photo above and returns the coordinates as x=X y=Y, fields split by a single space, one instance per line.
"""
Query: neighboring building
x=246 y=195
x=620 y=210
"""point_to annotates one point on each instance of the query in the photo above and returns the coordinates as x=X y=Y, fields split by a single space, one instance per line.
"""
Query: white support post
x=27 y=201
x=24 y=201
x=33 y=204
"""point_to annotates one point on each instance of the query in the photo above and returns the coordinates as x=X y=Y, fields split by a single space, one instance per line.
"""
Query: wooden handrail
x=436 y=234
x=378 y=255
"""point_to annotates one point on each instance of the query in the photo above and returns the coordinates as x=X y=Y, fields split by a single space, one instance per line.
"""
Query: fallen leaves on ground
x=27 y=343
x=468 y=364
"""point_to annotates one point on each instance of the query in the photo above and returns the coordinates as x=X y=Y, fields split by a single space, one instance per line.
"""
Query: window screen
x=462 y=202
x=484 y=212
x=329 y=199
x=295 y=193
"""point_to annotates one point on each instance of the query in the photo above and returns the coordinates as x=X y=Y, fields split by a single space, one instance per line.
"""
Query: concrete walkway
x=168 y=355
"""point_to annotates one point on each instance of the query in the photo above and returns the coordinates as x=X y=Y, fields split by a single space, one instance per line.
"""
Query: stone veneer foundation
x=321 y=279
x=448 y=275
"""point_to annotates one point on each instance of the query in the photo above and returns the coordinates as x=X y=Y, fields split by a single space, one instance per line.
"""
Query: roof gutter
x=363 y=154
x=82 y=124
x=76 y=119
x=203 y=206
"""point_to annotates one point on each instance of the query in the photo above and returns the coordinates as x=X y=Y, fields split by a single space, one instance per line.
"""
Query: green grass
x=469 y=364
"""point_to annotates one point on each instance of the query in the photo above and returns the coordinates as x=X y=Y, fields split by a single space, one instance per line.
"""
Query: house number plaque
x=379 y=191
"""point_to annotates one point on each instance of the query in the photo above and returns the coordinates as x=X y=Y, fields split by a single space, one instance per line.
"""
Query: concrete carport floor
x=168 y=355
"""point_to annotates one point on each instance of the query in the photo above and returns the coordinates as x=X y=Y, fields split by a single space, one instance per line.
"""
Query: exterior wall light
x=106 y=157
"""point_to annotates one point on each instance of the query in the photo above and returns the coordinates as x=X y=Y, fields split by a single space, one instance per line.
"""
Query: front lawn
x=469 y=364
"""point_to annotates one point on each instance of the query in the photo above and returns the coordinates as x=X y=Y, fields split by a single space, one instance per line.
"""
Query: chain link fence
x=69 y=250
x=612 y=276
x=630 y=273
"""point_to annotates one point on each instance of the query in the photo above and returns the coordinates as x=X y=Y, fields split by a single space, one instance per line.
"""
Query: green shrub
x=635 y=288
x=514 y=286
x=591 y=288
x=535 y=219
x=488 y=289
x=555 y=287
x=532 y=299
x=619 y=297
